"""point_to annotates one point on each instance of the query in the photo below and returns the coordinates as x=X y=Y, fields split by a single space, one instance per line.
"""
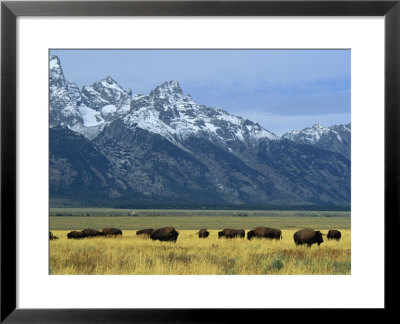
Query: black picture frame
x=10 y=10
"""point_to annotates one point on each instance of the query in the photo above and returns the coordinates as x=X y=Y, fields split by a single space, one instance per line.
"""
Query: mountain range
x=112 y=148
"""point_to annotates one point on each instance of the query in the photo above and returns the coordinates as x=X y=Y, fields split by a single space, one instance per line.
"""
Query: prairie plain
x=131 y=254
x=98 y=218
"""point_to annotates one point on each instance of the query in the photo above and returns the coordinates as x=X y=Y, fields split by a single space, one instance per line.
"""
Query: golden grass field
x=131 y=254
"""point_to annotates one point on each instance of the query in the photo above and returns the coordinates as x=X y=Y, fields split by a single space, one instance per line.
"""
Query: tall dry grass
x=190 y=255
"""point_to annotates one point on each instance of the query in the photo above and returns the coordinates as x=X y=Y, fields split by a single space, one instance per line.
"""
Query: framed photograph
x=186 y=161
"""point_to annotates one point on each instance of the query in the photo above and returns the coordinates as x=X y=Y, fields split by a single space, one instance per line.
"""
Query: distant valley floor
x=212 y=221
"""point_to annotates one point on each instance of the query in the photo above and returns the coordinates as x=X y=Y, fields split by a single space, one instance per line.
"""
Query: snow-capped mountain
x=314 y=134
x=170 y=113
x=165 y=111
x=107 y=99
x=336 y=138
x=164 y=149
x=64 y=97
x=85 y=111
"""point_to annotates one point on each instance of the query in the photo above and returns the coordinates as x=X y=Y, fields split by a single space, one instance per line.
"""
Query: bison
x=264 y=232
x=145 y=232
x=165 y=234
x=231 y=233
x=111 y=231
x=92 y=232
x=76 y=235
x=52 y=237
x=307 y=236
x=203 y=233
x=334 y=235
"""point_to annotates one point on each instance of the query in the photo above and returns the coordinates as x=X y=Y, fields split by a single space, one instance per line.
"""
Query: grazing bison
x=76 y=235
x=334 y=235
x=111 y=231
x=264 y=232
x=308 y=236
x=203 y=233
x=165 y=234
x=145 y=232
x=52 y=237
x=231 y=233
x=92 y=232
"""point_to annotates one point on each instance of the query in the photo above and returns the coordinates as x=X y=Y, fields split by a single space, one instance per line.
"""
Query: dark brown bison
x=165 y=234
x=231 y=233
x=52 y=237
x=76 y=235
x=334 y=235
x=203 y=233
x=307 y=236
x=145 y=232
x=111 y=231
x=92 y=232
x=264 y=232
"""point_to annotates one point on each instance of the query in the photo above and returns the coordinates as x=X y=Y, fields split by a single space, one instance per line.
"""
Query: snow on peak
x=90 y=107
x=105 y=93
x=172 y=85
x=166 y=111
x=110 y=80
x=56 y=71
x=346 y=128
x=54 y=62
x=90 y=116
x=313 y=135
x=318 y=126
x=170 y=113
x=110 y=83
x=167 y=89
x=63 y=96
x=308 y=134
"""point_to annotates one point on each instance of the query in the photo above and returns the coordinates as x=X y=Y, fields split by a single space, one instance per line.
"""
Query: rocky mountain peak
x=342 y=128
x=164 y=147
x=310 y=134
x=165 y=111
x=56 y=71
x=318 y=126
x=108 y=83
x=335 y=138
x=109 y=80
x=64 y=96
x=54 y=63
x=105 y=93
x=167 y=89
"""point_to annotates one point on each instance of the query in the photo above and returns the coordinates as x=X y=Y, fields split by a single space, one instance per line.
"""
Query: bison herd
x=89 y=232
x=305 y=236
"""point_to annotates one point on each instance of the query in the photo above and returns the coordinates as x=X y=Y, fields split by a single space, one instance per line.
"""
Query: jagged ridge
x=165 y=111
x=336 y=138
x=163 y=148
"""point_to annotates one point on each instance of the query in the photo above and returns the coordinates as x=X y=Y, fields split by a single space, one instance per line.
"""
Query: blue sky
x=282 y=90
